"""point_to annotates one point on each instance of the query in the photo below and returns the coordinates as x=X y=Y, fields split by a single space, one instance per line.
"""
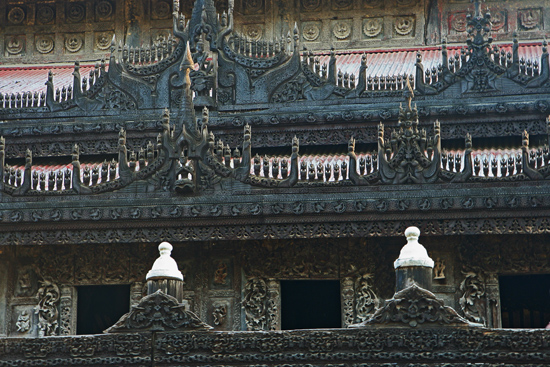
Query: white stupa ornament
x=165 y=267
x=413 y=253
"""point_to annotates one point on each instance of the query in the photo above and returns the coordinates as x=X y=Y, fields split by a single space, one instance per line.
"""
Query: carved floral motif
x=366 y=301
x=158 y=312
x=473 y=299
x=15 y=45
x=253 y=32
x=76 y=12
x=372 y=27
x=45 y=14
x=254 y=304
x=529 y=19
x=415 y=306
x=310 y=5
x=458 y=22
x=44 y=44
x=104 y=9
x=161 y=9
x=310 y=31
x=48 y=314
x=341 y=29
x=404 y=25
x=73 y=42
x=16 y=15
x=103 y=40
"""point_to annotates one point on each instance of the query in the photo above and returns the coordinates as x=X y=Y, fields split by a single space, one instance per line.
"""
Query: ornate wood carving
x=158 y=312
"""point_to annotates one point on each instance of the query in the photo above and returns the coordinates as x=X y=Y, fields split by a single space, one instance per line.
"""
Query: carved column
x=493 y=302
x=3 y=296
x=274 y=304
x=67 y=305
x=347 y=298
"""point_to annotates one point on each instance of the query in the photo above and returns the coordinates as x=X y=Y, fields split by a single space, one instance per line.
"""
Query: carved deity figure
x=439 y=269
x=220 y=274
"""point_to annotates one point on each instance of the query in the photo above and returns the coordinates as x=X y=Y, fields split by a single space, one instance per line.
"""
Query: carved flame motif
x=406 y=157
x=366 y=301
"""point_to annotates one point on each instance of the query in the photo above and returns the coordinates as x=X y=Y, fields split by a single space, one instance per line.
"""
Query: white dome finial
x=165 y=266
x=413 y=253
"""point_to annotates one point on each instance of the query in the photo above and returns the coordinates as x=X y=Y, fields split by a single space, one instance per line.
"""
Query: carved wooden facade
x=263 y=163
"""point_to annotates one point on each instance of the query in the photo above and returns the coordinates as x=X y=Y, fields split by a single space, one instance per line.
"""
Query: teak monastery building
x=283 y=148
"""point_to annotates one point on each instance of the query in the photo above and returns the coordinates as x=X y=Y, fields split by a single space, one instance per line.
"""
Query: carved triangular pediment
x=415 y=306
x=158 y=312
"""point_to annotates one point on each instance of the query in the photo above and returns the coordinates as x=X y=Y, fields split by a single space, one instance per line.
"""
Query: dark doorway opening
x=525 y=301
x=310 y=304
x=100 y=306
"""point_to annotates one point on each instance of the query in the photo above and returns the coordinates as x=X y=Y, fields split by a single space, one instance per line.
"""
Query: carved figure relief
x=44 y=44
x=473 y=299
x=26 y=280
x=15 y=45
x=45 y=14
x=23 y=323
x=372 y=27
x=458 y=22
x=310 y=5
x=341 y=29
x=439 y=269
x=219 y=313
x=220 y=274
x=74 y=42
x=16 y=15
x=530 y=19
x=254 y=304
x=75 y=13
x=404 y=26
x=310 y=31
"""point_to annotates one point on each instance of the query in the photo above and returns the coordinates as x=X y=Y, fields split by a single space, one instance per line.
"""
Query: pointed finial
x=187 y=62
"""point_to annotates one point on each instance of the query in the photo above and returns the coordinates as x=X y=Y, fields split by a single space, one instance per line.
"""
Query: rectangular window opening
x=100 y=306
x=525 y=301
x=310 y=304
